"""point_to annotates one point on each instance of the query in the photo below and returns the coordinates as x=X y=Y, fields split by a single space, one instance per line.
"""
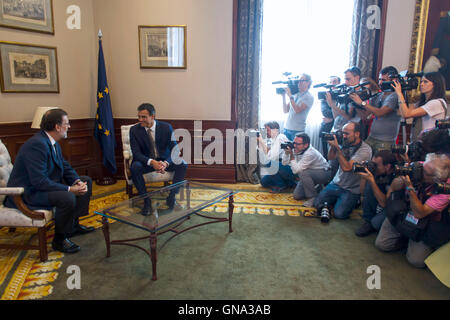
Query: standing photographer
x=425 y=222
x=298 y=107
x=375 y=188
x=344 y=191
x=431 y=107
x=309 y=166
x=345 y=112
x=384 y=107
x=328 y=117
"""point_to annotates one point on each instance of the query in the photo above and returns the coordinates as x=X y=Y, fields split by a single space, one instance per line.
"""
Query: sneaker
x=365 y=230
x=309 y=203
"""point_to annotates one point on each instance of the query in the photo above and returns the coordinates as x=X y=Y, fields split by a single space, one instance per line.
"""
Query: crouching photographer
x=377 y=176
x=344 y=191
x=417 y=210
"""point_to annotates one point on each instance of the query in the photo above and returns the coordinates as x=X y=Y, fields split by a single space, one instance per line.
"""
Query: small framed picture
x=28 y=68
x=162 y=47
x=30 y=15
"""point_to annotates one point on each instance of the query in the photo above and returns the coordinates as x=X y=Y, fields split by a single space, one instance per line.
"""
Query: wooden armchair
x=128 y=158
x=23 y=217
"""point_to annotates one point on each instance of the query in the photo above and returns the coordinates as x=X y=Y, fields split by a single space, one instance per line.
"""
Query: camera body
x=287 y=144
x=330 y=136
x=408 y=81
x=414 y=171
x=291 y=83
x=361 y=167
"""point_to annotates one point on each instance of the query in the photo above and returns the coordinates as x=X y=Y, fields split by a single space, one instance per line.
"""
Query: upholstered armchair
x=128 y=158
x=23 y=217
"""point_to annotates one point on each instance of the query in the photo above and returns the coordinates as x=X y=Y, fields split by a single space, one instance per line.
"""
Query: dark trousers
x=138 y=170
x=69 y=207
x=325 y=127
x=372 y=212
x=283 y=179
x=343 y=200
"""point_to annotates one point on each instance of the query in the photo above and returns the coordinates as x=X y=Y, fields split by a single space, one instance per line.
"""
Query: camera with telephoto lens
x=330 y=136
x=408 y=81
x=322 y=95
x=287 y=144
x=342 y=93
x=324 y=212
x=290 y=82
x=443 y=124
x=361 y=167
x=441 y=188
x=414 y=171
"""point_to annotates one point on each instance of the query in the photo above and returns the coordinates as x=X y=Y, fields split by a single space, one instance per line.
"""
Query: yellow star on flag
x=106 y=90
x=106 y=132
x=96 y=116
x=100 y=126
x=100 y=95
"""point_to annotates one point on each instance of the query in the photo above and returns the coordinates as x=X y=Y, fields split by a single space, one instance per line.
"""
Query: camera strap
x=351 y=150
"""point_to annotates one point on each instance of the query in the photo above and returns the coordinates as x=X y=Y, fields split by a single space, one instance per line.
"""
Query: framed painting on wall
x=162 y=47
x=30 y=15
x=28 y=68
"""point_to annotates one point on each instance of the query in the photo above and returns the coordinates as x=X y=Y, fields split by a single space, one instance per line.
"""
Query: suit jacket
x=140 y=143
x=39 y=170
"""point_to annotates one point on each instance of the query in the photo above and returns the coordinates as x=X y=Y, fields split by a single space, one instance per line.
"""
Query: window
x=303 y=36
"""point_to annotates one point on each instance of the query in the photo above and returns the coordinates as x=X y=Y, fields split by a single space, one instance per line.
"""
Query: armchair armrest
x=16 y=194
x=11 y=191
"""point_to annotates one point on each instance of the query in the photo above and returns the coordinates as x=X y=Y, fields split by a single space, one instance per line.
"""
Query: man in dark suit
x=152 y=143
x=49 y=180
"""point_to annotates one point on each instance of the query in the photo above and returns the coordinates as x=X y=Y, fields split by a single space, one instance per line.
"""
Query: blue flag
x=104 y=123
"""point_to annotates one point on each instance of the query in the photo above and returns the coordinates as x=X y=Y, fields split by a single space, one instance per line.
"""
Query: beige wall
x=399 y=26
x=76 y=62
x=202 y=91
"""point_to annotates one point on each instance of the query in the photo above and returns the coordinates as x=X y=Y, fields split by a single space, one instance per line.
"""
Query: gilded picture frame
x=29 y=15
x=419 y=36
x=27 y=68
x=163 y=47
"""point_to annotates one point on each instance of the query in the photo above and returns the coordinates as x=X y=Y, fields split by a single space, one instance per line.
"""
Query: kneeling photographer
x=344 y=191
x=420 y=216
x=377 y=176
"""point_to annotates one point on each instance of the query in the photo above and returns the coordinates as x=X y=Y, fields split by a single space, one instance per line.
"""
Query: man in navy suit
x=49 y=180
x=151 y=143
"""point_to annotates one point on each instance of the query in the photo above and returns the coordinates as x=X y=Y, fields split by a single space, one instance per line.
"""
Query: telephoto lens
x=325 y=213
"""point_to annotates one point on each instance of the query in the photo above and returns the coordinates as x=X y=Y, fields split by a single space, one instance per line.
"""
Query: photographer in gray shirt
x=309 y=166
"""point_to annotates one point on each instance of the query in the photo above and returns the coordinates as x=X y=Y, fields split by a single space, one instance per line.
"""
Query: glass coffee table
x=191 y=199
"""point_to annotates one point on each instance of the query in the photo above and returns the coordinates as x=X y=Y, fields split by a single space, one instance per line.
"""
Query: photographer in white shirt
x=309 y=166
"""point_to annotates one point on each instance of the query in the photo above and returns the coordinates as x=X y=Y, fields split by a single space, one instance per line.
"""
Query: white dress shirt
x=275 y=152
x=310 y=159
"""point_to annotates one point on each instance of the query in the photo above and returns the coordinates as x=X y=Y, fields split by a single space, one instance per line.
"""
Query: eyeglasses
x=298 y=144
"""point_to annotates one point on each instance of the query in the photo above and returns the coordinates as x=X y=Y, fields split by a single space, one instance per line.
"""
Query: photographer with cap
x=421 y=221
x=344 y=191
x=384 y=106
x=308 y=166
x=298 y=107
x=375 y=185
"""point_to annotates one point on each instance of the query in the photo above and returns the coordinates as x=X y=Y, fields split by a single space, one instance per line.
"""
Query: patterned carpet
x=24 y=277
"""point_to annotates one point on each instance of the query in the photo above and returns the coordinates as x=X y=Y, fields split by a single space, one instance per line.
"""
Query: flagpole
x=106 y=178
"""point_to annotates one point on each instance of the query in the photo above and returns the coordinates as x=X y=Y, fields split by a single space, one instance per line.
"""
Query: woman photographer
x=432 y=105
x=427 y=209
x=272 y=152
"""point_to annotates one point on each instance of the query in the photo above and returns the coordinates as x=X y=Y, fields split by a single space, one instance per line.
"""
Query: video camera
x=441 y=188
x=443 y=124
x=341 y=93
x=414 y=171
x=408 y=81
x=361 y=167
x=287 y=144
x=291 y=83
x=330 y=136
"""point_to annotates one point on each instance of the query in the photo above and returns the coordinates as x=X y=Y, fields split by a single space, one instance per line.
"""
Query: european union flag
x=104 y=124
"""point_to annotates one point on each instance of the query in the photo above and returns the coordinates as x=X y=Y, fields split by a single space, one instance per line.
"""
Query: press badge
x=410 y=218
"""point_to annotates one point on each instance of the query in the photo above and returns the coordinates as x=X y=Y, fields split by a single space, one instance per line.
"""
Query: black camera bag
x=438 y=232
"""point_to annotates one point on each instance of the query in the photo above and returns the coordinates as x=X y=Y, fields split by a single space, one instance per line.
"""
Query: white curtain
x=303 y=36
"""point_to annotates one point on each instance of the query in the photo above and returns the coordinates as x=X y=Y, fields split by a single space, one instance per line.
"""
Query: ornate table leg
x=105 y=229
x=153 y=237
x=230 y=212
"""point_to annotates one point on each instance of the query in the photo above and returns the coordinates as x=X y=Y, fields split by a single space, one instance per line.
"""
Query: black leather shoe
x=66 y=246
x=80 y=230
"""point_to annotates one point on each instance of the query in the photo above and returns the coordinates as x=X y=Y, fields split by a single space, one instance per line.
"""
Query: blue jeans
x=372 y=212
x=290 y=134
x=343 y=200
x=282 y=180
